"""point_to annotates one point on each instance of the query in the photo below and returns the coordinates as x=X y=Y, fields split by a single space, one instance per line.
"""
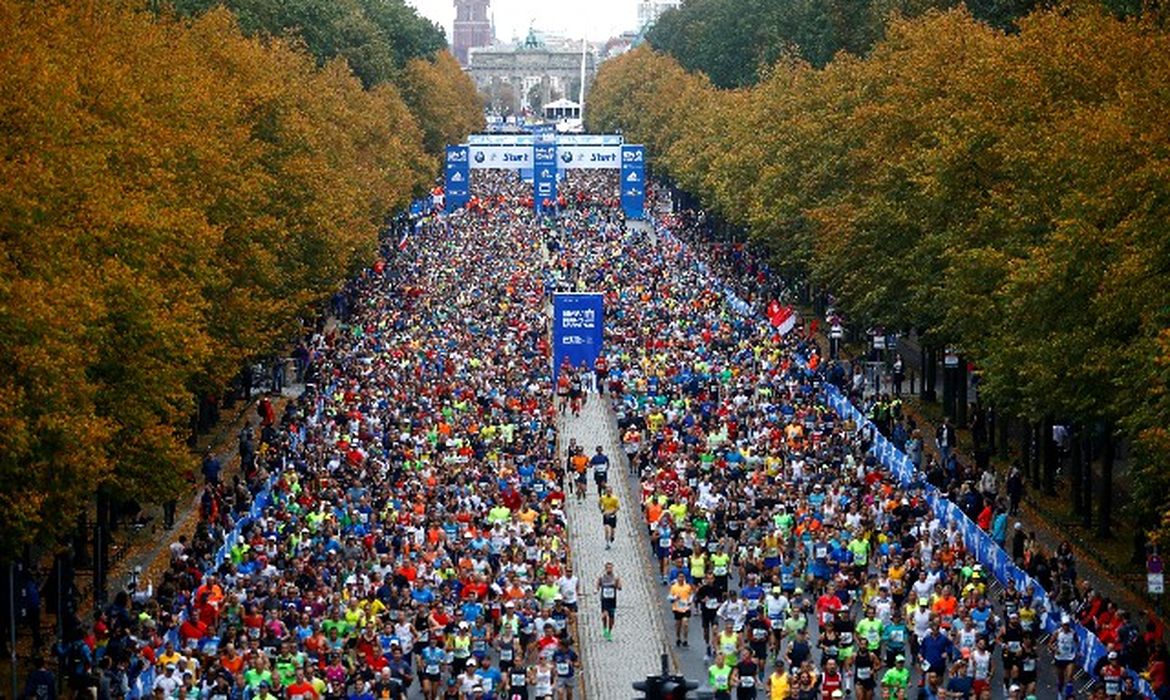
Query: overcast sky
x=595 y=19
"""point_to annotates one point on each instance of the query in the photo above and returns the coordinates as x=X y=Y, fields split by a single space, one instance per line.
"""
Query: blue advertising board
x=544 y=174
x=633 y=181
x=577 y=329
x=457 y=178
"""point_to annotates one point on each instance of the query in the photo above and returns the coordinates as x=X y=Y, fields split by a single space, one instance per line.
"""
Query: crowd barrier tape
x=990 y=556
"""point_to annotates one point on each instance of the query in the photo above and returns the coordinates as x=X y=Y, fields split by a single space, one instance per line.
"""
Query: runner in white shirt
x=921 y=619
x=1064 y=651
x=570 y=588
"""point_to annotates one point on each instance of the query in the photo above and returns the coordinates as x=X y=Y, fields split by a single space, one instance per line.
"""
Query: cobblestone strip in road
x=639 y=637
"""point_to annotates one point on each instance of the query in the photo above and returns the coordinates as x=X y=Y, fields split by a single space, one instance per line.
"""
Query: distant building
x=618 y=45
x=522 y=77
x=650 y=10
x=472 y=28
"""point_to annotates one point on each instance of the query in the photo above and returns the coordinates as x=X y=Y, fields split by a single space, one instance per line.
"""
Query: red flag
x=782 y=317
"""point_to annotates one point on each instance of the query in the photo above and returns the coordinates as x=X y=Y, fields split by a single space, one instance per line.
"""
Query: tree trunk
x=1037 y=455
x=923 y=358
x=991 y=421
x=1004 y=424
x=1026 y=451
x=1048 y=456
x=1087 y=481
x=101 y=548
x=931 y=370
x=1105 y=507
x=961 y=383
x=1075 y=471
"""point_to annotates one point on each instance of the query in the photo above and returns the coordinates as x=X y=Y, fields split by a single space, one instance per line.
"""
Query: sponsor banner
x=633 y=180
x=494 y=157
x=500 y=140
x=588 y=157
x=529 y=139
x=589 y=140
x=544 y=174
x=577 y=330
x=456 y=178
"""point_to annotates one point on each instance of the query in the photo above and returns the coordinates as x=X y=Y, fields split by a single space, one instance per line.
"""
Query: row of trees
x=1004 y=193
x=382 y=41
x=177 y=196
x=735 y=42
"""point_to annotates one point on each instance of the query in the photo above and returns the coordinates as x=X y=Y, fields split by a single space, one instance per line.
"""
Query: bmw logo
x=567 y=156
x=479 y=156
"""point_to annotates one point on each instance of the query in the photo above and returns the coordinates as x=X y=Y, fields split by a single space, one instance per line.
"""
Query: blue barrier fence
x=990 y=556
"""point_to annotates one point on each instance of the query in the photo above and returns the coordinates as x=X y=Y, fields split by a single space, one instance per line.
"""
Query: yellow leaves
x=1008 y=190
x=443 y=99
x=176 y=196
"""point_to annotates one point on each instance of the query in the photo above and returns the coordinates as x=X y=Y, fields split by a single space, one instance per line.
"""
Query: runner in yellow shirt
x=778 y=683
x=608 y=505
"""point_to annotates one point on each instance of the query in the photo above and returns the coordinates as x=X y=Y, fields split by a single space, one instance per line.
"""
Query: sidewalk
x=639 y=636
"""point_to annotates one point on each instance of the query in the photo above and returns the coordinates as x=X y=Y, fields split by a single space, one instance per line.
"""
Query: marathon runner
x=608 y=585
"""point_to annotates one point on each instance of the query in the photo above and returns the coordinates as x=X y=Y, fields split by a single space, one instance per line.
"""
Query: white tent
x=561 y=109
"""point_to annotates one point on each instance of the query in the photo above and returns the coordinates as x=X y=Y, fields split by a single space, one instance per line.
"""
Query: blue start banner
x=633 y=181
x=457 y=178
x=577 y=330
x=544 y=175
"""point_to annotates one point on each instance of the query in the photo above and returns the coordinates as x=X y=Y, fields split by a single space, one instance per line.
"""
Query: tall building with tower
x=472 y=28
x=650 y=10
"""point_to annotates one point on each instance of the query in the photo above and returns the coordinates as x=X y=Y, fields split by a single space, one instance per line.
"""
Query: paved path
x=639 y=639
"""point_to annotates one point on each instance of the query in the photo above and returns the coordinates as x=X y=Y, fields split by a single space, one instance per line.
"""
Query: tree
x=180 y=195
x=1000 y=191
x=443 y=99
x=376 y=37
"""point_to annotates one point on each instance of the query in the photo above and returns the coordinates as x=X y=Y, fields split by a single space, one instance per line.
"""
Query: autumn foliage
x=1005 y=193
x=176 y=196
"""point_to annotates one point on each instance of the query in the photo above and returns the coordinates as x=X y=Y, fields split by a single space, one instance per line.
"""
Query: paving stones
x=639 y=639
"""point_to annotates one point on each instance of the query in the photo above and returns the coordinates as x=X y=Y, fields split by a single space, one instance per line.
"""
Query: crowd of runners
x=809 y=571
x=412 y=541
